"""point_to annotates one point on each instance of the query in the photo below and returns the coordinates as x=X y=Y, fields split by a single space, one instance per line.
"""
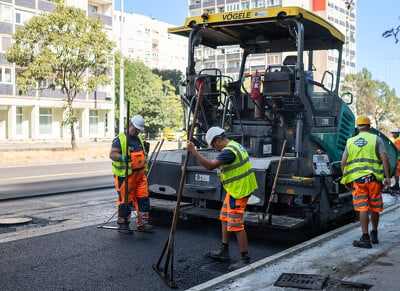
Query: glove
x=349 y=186
x=124 y=158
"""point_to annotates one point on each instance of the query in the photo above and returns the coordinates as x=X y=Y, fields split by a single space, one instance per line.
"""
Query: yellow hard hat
x=362 y=120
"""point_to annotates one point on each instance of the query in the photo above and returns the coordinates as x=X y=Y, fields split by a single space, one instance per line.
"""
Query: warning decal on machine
x=205 y=178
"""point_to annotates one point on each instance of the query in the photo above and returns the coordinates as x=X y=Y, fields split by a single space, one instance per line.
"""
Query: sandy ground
x=19 y=154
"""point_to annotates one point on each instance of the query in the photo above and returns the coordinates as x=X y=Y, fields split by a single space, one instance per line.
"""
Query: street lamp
x=121 y=74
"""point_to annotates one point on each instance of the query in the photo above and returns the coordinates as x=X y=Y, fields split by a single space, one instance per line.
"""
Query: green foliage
x=149 y=95
x=373 y=98
x=66 y=48
x=174 y=76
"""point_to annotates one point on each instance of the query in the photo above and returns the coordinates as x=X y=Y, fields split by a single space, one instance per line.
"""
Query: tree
x=149 y=95
x=372 y=98
x=66 y=48
x=174 y=76
x=387 y=105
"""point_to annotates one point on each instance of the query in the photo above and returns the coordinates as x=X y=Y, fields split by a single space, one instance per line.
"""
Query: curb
x=217 y=282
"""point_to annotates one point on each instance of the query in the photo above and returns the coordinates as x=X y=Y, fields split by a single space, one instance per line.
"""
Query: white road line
x=54 y=175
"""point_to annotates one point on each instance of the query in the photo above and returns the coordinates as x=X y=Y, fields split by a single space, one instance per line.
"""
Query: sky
x=379 y=55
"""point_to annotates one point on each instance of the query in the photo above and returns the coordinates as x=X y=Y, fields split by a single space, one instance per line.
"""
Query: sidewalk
x=330 y=255
x=17 y=153
x=65 y=144
x=57 y=144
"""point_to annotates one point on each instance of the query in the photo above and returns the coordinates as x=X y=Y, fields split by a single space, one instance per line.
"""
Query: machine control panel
x=321 y=165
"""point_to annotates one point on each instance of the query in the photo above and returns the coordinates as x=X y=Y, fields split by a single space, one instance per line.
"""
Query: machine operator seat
x=289 y=62
x=280 y=83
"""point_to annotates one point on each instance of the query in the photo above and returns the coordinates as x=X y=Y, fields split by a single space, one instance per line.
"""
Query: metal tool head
x=265 y=218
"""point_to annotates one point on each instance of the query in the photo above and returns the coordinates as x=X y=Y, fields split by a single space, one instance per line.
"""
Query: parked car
x=176 y=135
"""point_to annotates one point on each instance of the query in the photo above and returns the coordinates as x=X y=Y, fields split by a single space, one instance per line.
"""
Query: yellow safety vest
x=395 y=142
x=362 y=158
x=118 y=168
x=238 y=177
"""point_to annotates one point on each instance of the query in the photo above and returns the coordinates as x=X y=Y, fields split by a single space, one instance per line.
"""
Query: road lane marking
x=55 y=175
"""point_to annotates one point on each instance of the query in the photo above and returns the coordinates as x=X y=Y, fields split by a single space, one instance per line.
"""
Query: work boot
x=146 y=227
x=244 y=261
x=221 y=255
x=124 y=228
x=395 y=187
x=364 y=242
x=374 y=237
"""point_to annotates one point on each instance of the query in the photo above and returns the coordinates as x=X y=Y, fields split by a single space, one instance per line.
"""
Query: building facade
x=147 y=39
x=340 y=13
x=38 y=114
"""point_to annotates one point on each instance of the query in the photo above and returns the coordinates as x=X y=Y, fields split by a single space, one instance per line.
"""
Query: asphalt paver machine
x=286 y=92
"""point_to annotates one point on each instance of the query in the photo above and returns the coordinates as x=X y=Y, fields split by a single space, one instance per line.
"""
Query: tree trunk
x=73 y=141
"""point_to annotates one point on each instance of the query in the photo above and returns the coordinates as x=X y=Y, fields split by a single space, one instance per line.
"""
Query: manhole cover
x=304 y=281
x=14 y=220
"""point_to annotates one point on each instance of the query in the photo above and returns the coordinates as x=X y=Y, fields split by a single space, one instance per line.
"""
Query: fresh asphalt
x=330 y=254
x=63 y=249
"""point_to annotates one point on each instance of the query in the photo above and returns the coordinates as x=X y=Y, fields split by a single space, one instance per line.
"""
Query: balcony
x=106 y=20
x=101 y=2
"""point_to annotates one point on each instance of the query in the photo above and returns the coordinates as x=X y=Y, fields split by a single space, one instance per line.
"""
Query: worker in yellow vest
x=138 y=193
x=239 y=182
x=365 y=166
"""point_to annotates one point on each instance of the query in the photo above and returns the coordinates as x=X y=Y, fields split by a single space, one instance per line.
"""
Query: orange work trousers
x=232 y=212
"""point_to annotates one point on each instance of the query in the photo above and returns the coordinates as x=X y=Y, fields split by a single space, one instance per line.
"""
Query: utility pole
x=121 y=75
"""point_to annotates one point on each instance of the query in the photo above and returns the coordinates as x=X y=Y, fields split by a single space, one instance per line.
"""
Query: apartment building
x=340 y=13
x=38 y=115
x=147 y=39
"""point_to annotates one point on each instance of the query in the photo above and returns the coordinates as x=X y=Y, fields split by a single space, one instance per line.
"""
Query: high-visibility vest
x=238 y=178
x=397 y=145
x=362 y=158
x=118 y=168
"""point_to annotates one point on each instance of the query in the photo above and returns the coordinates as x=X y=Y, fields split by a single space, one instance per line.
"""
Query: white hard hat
x=138 y=122
x=396 y=130
x=212 y=133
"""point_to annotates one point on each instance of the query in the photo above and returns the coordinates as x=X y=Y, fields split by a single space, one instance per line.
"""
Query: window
x=93 y=121
x=5 y=13
x=272 y=3
x=18 y=121
x=22 y=16
x=5 y=43
x=274 y=59
x=46 y=83
x=5 y=75
x=232 y=7
x=245 y=5
x=18 y=18
x=45 y=120
x=92 y=8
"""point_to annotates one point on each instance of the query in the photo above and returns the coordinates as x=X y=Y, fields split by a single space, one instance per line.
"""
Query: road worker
x=138 y=194
x=396 y=141
x=365 y=165
x=238 y=180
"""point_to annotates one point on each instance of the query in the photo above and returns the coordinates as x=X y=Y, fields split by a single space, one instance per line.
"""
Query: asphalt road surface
x=63 y=249
x=25 y=181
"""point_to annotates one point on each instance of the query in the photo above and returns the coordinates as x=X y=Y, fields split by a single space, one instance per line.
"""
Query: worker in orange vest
x=396 y=141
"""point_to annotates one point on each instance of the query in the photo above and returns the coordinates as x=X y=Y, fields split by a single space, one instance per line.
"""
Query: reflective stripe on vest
x=238 y=177
x=118 y=168
x=362 y=158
